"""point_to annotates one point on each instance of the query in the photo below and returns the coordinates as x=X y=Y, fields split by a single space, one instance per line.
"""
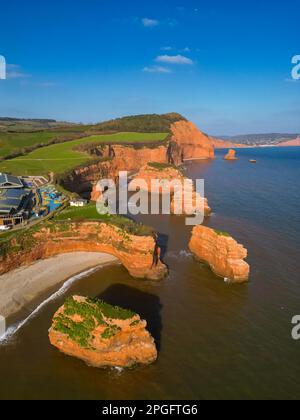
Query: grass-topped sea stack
x=102 y=335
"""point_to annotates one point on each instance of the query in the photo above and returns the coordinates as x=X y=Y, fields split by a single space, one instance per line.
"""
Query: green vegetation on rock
x=141 y=123
x=161 y=166
x=89 y=212
x=220 y=233
x=92 y=313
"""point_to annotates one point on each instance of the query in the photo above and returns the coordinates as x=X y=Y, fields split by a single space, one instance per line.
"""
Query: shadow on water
x=162 y=241
x=147 y=305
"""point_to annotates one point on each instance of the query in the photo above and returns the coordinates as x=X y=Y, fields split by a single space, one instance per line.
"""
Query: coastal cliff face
x=231 y=155
x=221 y=252
x=191 y=142
x=186 y=142
x=101 y=335
x=140 y=255
x=120 y=158
x=290 y=143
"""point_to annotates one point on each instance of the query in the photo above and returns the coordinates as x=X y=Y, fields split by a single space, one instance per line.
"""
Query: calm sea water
x=215 y=340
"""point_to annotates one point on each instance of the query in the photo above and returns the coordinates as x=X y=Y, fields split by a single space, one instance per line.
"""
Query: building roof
x=12 y=200
x=10 y=181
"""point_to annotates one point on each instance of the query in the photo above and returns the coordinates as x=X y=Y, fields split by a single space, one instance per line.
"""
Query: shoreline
x=22 y=286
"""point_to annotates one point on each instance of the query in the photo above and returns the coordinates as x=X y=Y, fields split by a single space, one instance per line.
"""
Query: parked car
x=3 y=227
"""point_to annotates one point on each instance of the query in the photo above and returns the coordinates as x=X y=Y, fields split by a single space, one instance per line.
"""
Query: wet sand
x=20 y=287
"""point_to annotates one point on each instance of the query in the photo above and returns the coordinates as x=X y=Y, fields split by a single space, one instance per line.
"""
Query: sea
x=215 y=340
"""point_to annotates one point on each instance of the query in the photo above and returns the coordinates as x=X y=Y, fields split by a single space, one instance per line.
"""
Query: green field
x=17 y=142
x=61 y=157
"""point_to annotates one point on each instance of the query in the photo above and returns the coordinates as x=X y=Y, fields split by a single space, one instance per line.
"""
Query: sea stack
x=187 y=203
x=221 y=252
x=102 y=335
x=231 y=155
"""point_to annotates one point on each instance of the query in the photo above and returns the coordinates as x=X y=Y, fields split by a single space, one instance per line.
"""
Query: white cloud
x=150 y=23
x=174 y=59
x=45 y=84
x=13 y=71
x=157 y=69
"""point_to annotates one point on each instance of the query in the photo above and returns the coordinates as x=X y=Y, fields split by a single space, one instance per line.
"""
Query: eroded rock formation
x=191 y=142
x=231 y=155
x=102 y=335
x=188 y=202
x=140 y=255
x=221 y=252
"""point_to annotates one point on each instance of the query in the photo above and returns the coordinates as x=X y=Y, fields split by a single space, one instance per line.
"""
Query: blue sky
x=226 y=65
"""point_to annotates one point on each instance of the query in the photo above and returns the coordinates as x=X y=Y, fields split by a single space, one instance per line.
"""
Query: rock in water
x=101 y=335
x=231 y=155
x=223 y=254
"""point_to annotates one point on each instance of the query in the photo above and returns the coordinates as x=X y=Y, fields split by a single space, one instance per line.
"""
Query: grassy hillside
x=18 y=143
x=140 y=123
x=61 y=157
x=20 y=137
x=23 y=124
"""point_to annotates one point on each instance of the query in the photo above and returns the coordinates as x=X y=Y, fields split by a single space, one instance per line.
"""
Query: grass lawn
x=59 y=158
x=14 y=142
x=76 y=213
x=89 y=212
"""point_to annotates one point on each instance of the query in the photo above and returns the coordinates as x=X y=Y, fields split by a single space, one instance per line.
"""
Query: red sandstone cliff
x=122 y=158
x=187 y=142
x=139 y=254
x=223 y=254
x=101 y=335
x=165 y=174
x=192 y=143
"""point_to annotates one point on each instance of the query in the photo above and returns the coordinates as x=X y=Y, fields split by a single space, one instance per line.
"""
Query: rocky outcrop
x=186 y=203
x=140 y=255
x=190 y=142
x=231 y=155
x=153 y=171
x=191 y=204
x=101 y=335
x=221 y=252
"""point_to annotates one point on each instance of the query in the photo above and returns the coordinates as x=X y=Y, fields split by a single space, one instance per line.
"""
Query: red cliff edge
x=140 y=255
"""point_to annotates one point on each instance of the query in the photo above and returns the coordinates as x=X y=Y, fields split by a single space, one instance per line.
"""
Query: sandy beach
x=20 y=287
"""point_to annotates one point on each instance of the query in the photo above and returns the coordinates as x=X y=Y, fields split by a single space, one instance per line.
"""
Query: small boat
x=253 y=161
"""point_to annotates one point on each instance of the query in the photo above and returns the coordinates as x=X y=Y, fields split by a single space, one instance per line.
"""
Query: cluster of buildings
x=26 y=199
x=16 y=200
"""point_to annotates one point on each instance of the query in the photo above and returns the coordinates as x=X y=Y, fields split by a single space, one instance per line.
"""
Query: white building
x=78 y=203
